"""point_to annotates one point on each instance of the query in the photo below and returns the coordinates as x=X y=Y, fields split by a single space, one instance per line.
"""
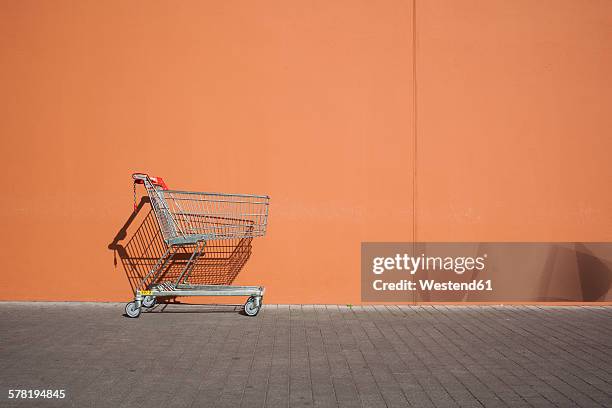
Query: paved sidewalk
x=308 y=356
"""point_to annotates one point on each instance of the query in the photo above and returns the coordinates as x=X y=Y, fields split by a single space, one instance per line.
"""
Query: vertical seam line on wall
x=415 y=145
x=414 y=106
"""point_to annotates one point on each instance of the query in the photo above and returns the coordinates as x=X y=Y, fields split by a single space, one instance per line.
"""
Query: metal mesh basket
x=186 y=217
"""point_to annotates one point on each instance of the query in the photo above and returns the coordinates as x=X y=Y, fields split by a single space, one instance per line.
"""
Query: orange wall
x=313 y=104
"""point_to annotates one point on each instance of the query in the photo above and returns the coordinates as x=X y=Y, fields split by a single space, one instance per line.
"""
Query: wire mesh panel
x=186 y=217
x=162 y=212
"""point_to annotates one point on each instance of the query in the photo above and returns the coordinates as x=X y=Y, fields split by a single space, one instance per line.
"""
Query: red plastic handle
x=139 y=178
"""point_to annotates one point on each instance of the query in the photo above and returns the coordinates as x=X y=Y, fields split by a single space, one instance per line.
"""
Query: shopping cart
x=187 y=221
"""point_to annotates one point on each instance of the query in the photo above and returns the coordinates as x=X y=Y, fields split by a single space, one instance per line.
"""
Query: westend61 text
x=430 y=284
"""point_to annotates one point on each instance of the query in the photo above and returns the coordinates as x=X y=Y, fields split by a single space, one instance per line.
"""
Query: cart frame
x=191 y=219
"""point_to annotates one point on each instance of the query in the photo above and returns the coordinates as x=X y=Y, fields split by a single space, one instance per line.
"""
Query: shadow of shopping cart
x=139 y=244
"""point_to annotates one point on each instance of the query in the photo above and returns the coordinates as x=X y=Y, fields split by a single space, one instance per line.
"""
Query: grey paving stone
x=307 y=356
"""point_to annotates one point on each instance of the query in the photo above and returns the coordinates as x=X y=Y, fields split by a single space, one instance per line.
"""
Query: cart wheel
x=249 y=307
x=131 y=310
x=149 y=301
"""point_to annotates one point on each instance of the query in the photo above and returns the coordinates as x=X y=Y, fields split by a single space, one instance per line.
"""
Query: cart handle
x=139 y=178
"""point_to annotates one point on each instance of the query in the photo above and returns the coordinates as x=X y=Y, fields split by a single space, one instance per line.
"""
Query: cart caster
x=131 y=310
x=149 y=301
x=251 y=308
